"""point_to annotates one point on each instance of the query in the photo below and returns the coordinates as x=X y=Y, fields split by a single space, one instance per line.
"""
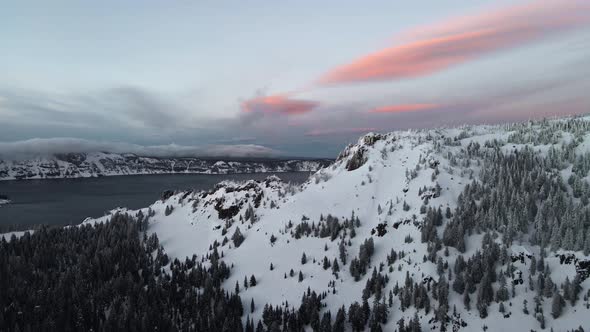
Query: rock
x=357 y=160
x=166 y=194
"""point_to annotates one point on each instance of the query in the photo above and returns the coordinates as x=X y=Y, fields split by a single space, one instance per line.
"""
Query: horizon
x=292 y=80
x=303 y=165
x=39 y=148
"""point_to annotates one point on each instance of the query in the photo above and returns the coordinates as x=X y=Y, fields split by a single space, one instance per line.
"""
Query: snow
x=83 y=165
x=194 y=225
x=8 y=236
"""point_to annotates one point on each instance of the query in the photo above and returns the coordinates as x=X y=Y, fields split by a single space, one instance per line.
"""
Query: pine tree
x=248 y=327
x=406 y=207
x=541 y=263
x=168 y=210
x=237 y=237
x=340 y=320
x=541 y=319
x=439 y=266
x=557 y=305
x=459 y=283
x=575 y=289
x=567 y=289
x=467 y=301
x=548 y=289
x=335 y=266
x=342 y=252
x=326 y=322
x=502 y=293
x=326 y=263
x=587 y=243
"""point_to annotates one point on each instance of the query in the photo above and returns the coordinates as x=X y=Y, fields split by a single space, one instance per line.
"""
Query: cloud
x=122 y=107
x=240 y=139
x=278 y=104
x=49 y=146
x=337 y=131
x=140 y=107
x=464 y=39
x=403 y=108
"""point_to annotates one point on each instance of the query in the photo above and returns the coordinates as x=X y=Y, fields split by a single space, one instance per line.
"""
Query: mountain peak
x=418 y=221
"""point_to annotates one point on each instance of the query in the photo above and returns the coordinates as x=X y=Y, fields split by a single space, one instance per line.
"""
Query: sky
x=280 y=78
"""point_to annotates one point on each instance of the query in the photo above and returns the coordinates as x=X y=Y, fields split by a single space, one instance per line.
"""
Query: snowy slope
x=8 y=236
x=75 y=165
x=373 y=180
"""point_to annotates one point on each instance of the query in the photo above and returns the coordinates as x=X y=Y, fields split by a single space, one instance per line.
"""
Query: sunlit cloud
x=402 y=108
x=278 y=104
x=432 y=49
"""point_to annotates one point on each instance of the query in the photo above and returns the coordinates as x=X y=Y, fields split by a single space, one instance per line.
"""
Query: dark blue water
x=70 y=201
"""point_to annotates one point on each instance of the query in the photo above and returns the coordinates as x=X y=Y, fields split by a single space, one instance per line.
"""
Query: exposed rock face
x=372 y=138
x=166 y=194
x=227 y=213
x=582 y=265
x=72 y=158
x=357 y=160
x=356 y=154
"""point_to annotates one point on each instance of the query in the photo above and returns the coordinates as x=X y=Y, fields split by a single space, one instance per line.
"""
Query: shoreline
x=95 y=176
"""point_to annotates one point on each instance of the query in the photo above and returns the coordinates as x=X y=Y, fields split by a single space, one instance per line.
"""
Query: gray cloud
x=48 y=146
x=233 y=140
x=122 y=107
x=140 y=106
x=148 y=121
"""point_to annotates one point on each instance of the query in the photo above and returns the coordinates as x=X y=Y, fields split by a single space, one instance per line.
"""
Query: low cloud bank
x=49 y=146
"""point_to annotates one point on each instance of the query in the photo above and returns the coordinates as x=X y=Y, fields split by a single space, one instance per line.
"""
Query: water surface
x=70 y=201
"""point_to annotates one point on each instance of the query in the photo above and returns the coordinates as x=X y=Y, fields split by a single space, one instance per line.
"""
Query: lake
x=70 y=201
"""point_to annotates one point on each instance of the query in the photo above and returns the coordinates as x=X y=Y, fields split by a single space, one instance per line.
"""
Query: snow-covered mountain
x=465 y=229
x=74 y=165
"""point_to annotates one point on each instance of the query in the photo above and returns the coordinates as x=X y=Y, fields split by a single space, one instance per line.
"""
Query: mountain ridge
x=95 y=164
x=463 y=229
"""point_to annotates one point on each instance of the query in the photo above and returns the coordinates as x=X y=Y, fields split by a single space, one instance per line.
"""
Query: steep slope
x=76 y=165
x=414 y=221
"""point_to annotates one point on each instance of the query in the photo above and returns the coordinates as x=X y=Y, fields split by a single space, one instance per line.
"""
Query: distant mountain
x=80 y=165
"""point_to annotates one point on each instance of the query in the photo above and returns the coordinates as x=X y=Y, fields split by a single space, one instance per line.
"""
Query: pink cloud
x=280 y=104
x=402 y=108
x=335 y=131
x=435 y=48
